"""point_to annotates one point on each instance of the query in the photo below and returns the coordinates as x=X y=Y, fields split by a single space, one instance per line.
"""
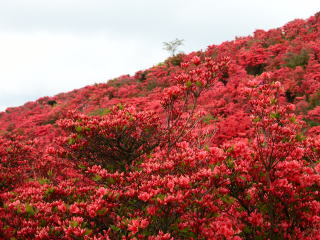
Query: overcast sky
x=53 y=46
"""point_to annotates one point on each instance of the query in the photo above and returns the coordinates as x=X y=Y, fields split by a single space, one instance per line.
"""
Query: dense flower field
x=217 y=144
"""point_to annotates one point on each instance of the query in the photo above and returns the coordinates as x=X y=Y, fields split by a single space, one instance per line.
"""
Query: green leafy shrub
x=121 y=137
x=175 y=60
x=294 y=60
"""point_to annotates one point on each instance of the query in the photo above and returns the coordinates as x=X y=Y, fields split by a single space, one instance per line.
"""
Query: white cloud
x=47 y=47
x=44 y=64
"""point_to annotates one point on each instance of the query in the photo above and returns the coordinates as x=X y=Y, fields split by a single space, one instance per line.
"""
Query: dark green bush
x=290 y=96
x=175 y=60
x=294 y=60
x=256 y=69
x=151 y=85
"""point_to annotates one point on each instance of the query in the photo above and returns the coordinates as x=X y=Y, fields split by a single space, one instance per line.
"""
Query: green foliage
x=151 y=85
x=30 y=211
x=175 y=60
x=230 y=162
x=119 y=82
x=109 y=181
x=52 y=103
x=142 y=76
x=294 y=60
x=81 y=166
x=227 y=199
x=275 y=115
x=186 y=233
x=50 y=173
x=256 y=69
x=257 y=119
x=115 y=228
x=51 y=120
x=48 y=192
x=43 y=181
x=74 y=224
x=208 y=118
x=120 y=106
x=88 y=231
x=290 y=96
x=314 y=100
x=273 y=101
x=300 y=137
x=96 y=178
x=311 y=123
x=78 y=129
x=160 y=196
x=74 y=140
x=102 y=211
x=293 y=119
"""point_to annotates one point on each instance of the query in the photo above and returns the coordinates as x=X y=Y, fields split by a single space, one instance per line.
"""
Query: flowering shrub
x=16 y=161
x=301 y=59
x=113 y=140
x=223 y=146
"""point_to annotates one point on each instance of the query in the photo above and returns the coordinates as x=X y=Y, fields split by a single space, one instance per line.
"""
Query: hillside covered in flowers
x=216 y=144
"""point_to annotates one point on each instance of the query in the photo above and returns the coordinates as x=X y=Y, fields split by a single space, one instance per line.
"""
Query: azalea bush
x=114 y=140
x=222 y=144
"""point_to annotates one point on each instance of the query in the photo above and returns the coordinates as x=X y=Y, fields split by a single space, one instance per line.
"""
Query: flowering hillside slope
x=217 y=144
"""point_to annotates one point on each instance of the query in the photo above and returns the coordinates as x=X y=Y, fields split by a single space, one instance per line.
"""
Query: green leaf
x=243 y=178
x=102 y=211
x=199 y=84
x=230 y=162
x=292 y=119
x=74 y=224
x=100 y=112
x=247 y=229
x=120 y=106
x=257 y=119
x=88 y=231
x=49 y=191
x=188 y=84
x=206 y=147
x=81 y=166
x=71 y=141
x=55 y=209
x=105 y=111
x=275 y=115
x=115 y=228
x=96 y=178
x=187 y=233
x=264 y=208
x=227 y=199
x=212 y=166
x=18 y=209
x=230 y=149
x=43 y=181
x=30 y=210
x=78 y=129
x=50 y=172
x=300 y=137
x=160 y=196
x=208 y=118
x=110 y=181
x=273 y=101
x=8 y=149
